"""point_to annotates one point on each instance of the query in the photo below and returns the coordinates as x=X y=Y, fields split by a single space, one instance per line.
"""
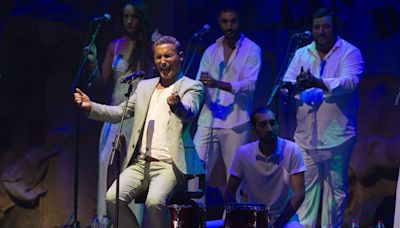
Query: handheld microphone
x=105 y=17
x=304 y=35
x=202 y=31
x=130 y=78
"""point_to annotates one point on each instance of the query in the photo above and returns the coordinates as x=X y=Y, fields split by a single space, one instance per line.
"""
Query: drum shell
x=246 y=216
x=186 y=216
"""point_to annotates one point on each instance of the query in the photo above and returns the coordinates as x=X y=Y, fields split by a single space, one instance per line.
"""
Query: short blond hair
x=168 y=40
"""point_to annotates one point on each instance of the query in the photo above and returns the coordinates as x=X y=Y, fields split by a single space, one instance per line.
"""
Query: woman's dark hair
x=141 y=56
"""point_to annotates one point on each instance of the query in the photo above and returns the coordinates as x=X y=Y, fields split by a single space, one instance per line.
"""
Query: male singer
x=229 y=70
x=161 y=150
x=328 y=71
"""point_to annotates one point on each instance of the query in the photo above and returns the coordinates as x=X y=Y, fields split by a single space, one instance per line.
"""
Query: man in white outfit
x=327 y=73
x=229 y=70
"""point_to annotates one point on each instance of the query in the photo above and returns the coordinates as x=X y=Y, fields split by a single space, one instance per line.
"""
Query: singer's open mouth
x=165 y=70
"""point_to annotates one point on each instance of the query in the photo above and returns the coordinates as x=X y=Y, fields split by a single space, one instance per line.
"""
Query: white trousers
x=397 y=210
x=160 y=180
x=327 y=170
x=214 y=143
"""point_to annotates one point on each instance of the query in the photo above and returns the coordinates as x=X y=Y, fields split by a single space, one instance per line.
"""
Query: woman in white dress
x=124 y=56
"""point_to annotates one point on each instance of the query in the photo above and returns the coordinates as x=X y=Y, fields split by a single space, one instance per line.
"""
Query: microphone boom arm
x=282 y=72
x=84 y=60
x=193 y=53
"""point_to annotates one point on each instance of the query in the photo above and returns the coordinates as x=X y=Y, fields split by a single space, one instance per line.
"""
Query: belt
x=150 y=159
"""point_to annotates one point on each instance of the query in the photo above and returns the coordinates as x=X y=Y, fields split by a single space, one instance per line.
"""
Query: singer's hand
x=82 y=100
x=207 y=80
x=174 y=100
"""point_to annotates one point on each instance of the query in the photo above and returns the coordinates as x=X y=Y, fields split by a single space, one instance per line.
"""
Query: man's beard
x=270 y=137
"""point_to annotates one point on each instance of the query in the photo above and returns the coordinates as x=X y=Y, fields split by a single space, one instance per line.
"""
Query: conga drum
x=186 y=216
x=246 y=216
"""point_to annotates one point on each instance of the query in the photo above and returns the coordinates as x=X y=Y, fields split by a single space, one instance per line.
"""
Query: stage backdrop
x=40 y=48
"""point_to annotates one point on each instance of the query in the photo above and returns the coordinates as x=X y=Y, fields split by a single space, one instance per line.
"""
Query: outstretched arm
x=100 y=112
x=82 y=100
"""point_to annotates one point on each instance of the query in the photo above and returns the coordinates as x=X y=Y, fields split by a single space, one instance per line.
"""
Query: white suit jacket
x=181 y=147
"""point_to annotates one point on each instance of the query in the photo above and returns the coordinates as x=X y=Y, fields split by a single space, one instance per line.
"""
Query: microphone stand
x=282 y=72
x=116 y=151
x=193 y=53
x=74 y=214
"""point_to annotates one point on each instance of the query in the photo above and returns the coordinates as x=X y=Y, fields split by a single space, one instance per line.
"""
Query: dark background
x=40 y=47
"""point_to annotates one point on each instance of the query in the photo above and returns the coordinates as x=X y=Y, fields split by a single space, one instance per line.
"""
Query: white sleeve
x=236 y=167
x=296 y=161
x=351 y=68
x=250 y=72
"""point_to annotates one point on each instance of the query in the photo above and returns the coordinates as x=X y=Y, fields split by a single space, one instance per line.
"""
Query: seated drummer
x=272 y=171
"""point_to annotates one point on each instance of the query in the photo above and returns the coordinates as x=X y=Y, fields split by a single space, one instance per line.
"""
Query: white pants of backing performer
x=397 y=211
x=214 y=143
x=326 y=167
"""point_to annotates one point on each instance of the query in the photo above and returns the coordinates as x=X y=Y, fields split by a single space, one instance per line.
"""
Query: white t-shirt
x=154 y=141
x=266 y=180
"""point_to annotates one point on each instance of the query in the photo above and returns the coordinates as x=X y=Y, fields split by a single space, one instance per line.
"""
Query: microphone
x=130 y=78
x=304 y=35
x=105 y=17
x=202 y=31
